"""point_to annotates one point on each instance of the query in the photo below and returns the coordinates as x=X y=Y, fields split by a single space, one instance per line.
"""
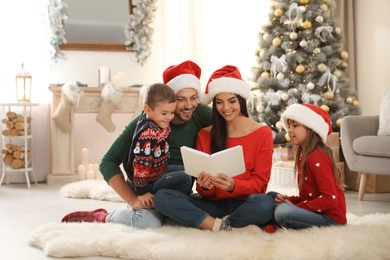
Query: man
x=190 y=117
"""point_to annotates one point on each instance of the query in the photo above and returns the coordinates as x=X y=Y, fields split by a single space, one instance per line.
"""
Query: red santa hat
x=226 y=80
x=311 y=116
x=184 y=75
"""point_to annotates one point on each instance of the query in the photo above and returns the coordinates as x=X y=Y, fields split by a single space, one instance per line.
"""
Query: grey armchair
x=364 y=151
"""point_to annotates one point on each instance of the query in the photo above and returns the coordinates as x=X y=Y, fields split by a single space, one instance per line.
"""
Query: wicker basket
x=282 y=174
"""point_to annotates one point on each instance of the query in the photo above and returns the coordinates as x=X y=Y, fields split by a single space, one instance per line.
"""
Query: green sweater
x=182 y=134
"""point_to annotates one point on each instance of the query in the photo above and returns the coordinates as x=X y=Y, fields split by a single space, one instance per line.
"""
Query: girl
x=227 y=203
x=321 y=200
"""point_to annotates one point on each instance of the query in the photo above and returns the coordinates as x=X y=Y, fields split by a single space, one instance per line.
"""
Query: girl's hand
x=204 y=180
x=280 y=198
x=145 y=201
x=223 y=182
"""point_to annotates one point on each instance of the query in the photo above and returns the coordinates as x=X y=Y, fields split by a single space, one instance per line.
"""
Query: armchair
x=364 y=150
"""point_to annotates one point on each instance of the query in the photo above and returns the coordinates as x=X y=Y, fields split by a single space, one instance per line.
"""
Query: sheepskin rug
x=364 y=237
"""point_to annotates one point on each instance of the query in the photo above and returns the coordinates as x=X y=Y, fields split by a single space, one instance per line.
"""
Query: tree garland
x=57 y=10
x=138 y=30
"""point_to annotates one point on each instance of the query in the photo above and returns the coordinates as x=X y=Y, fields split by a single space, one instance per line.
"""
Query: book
x=229 y=161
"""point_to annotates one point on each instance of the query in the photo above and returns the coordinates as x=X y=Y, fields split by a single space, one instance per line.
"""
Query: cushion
x=377 y=146
x=384 y=114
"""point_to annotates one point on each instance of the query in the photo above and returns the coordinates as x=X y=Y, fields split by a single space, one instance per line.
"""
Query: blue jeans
x=144 y=218
x=290 y=216
x=192 y=210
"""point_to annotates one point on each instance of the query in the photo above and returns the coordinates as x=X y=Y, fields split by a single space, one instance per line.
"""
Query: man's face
x=186 y=103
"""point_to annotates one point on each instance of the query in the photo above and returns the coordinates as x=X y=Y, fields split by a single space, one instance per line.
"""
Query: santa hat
x=310 y=116
x=226 y=80
x=184 y=75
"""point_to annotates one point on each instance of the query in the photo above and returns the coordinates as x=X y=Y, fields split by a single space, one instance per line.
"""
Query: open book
x=229 y=161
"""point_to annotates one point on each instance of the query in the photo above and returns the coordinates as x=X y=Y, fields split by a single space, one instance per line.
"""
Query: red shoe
x=97 y=215
x=270 y=229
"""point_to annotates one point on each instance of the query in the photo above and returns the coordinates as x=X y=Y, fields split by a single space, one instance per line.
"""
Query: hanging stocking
x=111 y=97
x=62 y=116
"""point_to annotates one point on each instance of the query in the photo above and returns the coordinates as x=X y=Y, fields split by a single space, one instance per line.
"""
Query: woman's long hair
x=311 y=142
x=219 y=133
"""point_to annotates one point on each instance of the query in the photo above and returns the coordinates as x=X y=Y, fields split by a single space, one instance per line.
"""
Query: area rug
x=364 y=237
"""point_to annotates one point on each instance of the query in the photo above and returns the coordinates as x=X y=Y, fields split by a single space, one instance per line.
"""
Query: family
x=177 y=113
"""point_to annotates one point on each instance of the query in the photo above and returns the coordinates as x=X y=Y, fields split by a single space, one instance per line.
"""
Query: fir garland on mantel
x=138 y=30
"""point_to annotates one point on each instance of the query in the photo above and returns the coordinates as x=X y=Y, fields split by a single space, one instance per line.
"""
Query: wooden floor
x=22 y=210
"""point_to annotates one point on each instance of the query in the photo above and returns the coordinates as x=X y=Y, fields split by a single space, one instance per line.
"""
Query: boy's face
x=162 y=113
x=186 y=103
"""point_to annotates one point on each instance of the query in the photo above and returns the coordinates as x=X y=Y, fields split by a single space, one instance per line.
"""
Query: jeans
x=290 y=216
x=192 y=210
x=143 y=218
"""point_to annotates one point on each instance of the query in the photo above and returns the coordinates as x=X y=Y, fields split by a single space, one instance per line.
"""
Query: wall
x=372 y=52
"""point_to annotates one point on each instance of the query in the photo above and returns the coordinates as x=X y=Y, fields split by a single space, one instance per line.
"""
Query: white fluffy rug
x=364 y=238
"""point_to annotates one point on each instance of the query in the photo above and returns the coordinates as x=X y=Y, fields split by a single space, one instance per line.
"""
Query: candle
x=90 y=175
x=104 y=75
x=85 y=156
x=82 y=171
x=119 y=79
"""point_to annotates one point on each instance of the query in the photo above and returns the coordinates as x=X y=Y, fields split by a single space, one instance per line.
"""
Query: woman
x=226 y=203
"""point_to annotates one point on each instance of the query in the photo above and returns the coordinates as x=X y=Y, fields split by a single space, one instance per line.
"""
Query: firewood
x=18 y=155
x=11 y=115
x=8 y=158
x=6 y=132
x=17 y=163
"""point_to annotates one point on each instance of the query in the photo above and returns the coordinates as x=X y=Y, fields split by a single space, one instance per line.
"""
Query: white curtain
x=213 y=33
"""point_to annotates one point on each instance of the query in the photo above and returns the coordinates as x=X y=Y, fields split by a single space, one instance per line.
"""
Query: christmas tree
x=301 y=60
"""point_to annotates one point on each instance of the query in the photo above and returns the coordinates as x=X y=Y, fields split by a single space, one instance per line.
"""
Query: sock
x=97 y=215
x=104 y=116
x=62 y=114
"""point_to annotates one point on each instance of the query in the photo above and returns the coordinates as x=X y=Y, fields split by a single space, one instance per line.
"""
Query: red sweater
x=318 y=192
x=258 y=149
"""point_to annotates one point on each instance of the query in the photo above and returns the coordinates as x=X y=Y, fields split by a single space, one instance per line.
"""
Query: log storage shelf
x=17 y=140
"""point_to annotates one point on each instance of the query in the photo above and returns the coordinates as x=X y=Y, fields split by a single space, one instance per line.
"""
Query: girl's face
x=228 y=106
x=296 y=131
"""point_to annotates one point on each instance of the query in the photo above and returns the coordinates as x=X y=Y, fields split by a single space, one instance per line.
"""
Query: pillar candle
x=90 y=175
x=82 y=171
x=104 y=75
x=119 y=79
x=85 y=156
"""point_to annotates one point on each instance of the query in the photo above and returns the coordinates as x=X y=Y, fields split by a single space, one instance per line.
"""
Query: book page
x=229 y=161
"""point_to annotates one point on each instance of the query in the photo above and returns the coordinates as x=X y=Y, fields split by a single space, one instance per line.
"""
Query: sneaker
x=222 y=225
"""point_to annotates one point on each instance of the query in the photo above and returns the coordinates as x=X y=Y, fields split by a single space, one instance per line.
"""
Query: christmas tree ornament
x=276 y=41
x=285 y=97
x=278 y=12
x=338 y=73
x=337 y=30
x=280 y=76
x=293 y=36
x=262 y=53
x=338 y=122
x=260 y=108
x=319 y=19
x=303 y=2
x=325 y=107
x=344 y=65
x=287 y=137
x=306 y=25
x=300 y=69
x=279 y=125
x=322 y=67
x=317 y=51
x=355 y=103
x=303 y=44
x=344 y=55
x=266 y=37
x=111 y=96
x=70 y=95
x=302 y=8
x=265 y=74
x=310 y=85
x=329 y=95
x=349 y=100
x=324 y=8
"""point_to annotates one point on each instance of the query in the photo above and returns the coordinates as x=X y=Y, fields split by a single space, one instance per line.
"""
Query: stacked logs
x=14 y=155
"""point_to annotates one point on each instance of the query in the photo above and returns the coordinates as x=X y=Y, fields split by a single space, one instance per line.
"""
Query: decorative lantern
x=23 y=85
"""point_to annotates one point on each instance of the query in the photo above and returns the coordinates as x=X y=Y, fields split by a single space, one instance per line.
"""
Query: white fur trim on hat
x=226 y=85
x=184 y=81
x=306 y=117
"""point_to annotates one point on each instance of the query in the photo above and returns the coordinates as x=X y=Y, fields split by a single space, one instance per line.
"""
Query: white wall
x=372 y=52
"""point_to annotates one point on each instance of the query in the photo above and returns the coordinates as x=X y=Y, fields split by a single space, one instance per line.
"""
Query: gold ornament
x=349 y=100
x=325 y=107
x=344 y=55
x=338 y=73
x=338 y=122
x=355 y=103
x=278 y=12
x=300 y=68
x=265 y=74
x=326 y=1
x=344 y=65
x=260 y=108
x=329 y=95
x=306 y=25
x=303 y=2
x=279 y=125
x=322 y=67
x=276 y=41
x=287 y=137
x=337 y=30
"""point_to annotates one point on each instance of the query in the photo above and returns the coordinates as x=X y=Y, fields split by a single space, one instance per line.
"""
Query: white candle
x=119 y=79
x=90 y=175
x=104 y=73
x=82 y=171
x=85 y=156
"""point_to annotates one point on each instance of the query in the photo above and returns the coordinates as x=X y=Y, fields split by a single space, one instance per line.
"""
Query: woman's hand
x=280 y=198
x=223 y=182
x=204 y=180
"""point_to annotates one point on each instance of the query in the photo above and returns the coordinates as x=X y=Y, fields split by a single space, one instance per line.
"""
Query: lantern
x=23 y=85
